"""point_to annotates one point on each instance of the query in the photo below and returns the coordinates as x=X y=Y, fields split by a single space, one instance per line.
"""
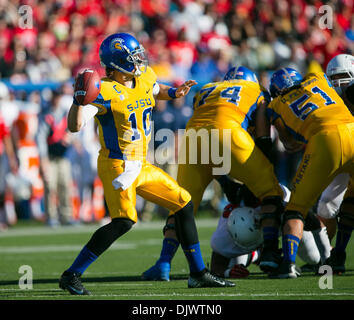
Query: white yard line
x=120 y=245
x=59 y=248
x=207 y=295
x=44 y=230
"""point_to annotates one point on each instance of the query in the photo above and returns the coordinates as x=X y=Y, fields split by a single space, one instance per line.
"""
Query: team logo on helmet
x=116 y=44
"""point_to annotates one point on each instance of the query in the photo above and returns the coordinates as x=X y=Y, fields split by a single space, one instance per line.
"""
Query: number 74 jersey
x=309 y=108
x=222 y=104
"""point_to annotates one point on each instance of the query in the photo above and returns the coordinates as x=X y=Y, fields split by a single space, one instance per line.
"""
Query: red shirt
x=4 y=131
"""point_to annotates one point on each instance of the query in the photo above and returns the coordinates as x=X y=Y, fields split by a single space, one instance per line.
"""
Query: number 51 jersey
x=309 y=108
x=124 y=119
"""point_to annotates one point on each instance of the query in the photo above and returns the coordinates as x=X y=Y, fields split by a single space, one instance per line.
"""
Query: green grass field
x=116 y=274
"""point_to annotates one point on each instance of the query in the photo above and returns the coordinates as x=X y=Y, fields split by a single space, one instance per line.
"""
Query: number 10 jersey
x=124 y=117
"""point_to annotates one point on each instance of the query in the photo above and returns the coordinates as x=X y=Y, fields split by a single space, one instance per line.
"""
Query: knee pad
x=346 y=214
x=121 y=225
x=276 y=201
x=291 y=214
x=168 y=226
x=312 y=222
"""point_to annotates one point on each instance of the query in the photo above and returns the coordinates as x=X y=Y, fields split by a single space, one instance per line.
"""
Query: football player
x=340 y=71
x=229 y=105
x=122 y=112
x=308 y=110
x=237 y=240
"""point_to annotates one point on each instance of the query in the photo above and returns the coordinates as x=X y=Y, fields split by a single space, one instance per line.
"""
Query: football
x=87 y=86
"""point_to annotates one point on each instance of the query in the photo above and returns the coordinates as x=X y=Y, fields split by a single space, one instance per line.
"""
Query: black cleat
x=287 y=270
x=337 y=261
x=71 y=281
x=310 y=268
x=270 y=260
x=208 y=280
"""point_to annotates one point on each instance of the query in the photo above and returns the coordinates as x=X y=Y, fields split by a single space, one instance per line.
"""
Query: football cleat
x=287 y=270
x=159 y=271
x=337 y=261
x=310 y=268
x=71 y=281
x=270 y=260
x=208 y=280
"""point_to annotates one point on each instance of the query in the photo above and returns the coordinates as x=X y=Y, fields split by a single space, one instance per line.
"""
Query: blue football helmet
x=282 y=80
x=122 y=52
x=241 y=73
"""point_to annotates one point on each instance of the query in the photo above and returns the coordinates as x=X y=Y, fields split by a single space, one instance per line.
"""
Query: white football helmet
x=340 y=71
x=243 y=226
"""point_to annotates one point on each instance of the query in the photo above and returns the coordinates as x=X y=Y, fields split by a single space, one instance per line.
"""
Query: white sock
x=308 y=250
x=323 y=243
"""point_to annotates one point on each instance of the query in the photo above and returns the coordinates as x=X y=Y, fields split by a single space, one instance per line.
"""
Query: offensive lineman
x=308 y=110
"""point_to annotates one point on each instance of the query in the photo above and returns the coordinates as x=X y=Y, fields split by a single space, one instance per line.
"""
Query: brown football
x=87 y=86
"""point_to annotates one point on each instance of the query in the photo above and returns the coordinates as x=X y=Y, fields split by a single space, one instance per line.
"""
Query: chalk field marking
x=120 y=245
x=86 y=284
x=44 y=230
x=279 y=295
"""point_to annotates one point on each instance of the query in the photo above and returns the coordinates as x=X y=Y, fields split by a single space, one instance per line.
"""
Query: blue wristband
x=172 y=92
x=75 y=101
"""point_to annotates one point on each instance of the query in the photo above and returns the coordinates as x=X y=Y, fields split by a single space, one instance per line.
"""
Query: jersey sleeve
x=104 y=98
x=100 y=103
x=271 y=112
x=263 y=96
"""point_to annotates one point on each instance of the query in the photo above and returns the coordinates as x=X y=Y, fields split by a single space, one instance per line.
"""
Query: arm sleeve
x=88 y=112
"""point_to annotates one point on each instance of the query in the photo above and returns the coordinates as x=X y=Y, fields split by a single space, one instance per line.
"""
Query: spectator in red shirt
x=7 y=155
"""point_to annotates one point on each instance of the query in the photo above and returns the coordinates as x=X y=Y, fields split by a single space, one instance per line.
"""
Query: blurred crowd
x=46 y=43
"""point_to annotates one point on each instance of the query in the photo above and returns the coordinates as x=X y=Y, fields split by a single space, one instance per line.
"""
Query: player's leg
x=193 y=178
x=345 y=229
x=65 y=180
x=308 y=250
x=330 y=201
x=121 y=205
x=314 y=246
x=50 y=191
x=320 y=163
x=249 y=165
x=158 y=187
